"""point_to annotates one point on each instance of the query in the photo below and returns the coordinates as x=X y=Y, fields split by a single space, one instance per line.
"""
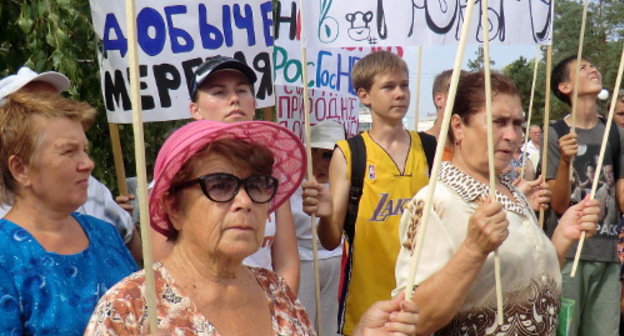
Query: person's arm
x=581 y=217
x=284 y=253
x=330 y=227
x=560 y=186
x=448 y=287
x=619 y=193
x=330 y=206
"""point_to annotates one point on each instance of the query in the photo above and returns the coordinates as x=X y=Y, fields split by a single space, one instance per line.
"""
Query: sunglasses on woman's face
x=222 y=187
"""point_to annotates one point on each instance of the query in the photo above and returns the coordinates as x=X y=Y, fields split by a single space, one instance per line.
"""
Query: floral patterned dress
x=122 y=310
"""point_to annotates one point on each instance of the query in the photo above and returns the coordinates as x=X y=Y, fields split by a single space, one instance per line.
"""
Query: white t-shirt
x=262 y=257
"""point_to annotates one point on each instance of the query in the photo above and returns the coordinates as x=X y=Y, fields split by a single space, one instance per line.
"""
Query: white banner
x=174 y=37
x=343 y=23
x=323 y=105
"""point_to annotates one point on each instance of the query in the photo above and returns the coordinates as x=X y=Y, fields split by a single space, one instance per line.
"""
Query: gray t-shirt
x=601 y=247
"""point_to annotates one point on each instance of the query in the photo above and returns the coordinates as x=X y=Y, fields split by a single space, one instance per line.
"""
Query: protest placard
x=174 y=37
x=423 y=22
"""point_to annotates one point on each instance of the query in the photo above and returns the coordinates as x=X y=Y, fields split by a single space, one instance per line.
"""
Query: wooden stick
x=579 y=57
x=417 y=88
x=549 y=52
x=530 y=112
x=120 y=171
x=268 y=113
x=139 y=146
x=435 y=170
x=603 y=146
x=310 y=174
x=485 y=27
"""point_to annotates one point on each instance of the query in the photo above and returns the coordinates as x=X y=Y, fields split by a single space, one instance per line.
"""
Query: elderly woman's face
x=472 y=136
x=59 y=174
x=234 y=229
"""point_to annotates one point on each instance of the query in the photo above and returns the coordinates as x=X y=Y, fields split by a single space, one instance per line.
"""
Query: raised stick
x=549 y=52
x=120 y=172
x=530 y=112
x=485 y=27
x=435 y=170
x=603 y=146
x=310 y=174
x=139 y=153
x=417 y=89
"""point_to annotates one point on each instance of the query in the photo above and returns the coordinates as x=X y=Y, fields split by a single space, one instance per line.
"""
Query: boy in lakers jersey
x=395 y=169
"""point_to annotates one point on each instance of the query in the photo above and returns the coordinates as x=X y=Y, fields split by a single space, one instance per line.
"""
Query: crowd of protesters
x=233 y=217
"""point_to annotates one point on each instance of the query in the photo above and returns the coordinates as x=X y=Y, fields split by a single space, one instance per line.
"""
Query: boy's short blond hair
x=18 y=136
x=373 y=64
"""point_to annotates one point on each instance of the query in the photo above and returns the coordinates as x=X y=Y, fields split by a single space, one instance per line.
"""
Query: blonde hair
x=19 y=137
x=373 y=64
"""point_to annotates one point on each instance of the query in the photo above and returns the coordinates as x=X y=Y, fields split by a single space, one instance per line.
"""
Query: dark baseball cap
x=216 y=63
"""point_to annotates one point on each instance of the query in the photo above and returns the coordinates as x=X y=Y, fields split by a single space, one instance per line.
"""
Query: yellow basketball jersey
x=368 y=273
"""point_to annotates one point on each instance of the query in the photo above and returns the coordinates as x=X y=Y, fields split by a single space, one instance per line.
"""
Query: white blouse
x=530 y=274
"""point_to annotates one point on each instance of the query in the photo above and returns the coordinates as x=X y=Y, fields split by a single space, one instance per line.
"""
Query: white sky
x=438 y=59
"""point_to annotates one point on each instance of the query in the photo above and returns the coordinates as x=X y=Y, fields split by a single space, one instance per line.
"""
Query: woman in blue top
x=54 y=264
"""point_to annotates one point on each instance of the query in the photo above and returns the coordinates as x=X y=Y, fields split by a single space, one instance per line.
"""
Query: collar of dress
x=471 y=190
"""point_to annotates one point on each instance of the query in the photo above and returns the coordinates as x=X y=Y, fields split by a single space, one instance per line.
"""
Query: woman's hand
x=391 y=317
x=316 y=199
x=537 y=192
x=487 y=228
x=568 y=146
x=125 y=202
x=581 y=217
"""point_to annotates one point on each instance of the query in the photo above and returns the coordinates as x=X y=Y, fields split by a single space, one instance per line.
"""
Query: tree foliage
x=58 y=35
x=604 y=33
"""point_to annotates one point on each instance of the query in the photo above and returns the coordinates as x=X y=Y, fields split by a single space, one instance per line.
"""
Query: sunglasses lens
x=327 y=155
x=221 y=187
x=261 y=188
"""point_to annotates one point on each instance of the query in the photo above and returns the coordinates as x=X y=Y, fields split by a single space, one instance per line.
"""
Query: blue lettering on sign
x=176 y=34
x=154 y=28
x=150 y=18
x=245 y=22
x=210 y=35
x=267 y=22
x=112 y=26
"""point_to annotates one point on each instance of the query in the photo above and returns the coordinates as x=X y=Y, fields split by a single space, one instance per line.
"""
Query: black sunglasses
x=222 y=187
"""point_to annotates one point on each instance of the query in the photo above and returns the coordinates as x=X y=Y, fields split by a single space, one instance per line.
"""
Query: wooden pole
x=435 y=170
x=549 y=52
x=530 y=112
x=603 y=146
x=120 y=171
x=139 y=146
x=485 y=27
x=310 y=174
x=417 y=88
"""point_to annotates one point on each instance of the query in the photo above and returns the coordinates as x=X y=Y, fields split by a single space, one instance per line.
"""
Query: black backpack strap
x=358 y=163
x=429 y=144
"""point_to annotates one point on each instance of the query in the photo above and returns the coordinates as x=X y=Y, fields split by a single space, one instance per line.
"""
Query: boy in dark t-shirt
x=596 y=286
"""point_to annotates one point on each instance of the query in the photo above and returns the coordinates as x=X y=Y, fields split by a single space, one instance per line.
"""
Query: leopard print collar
x=471 y=190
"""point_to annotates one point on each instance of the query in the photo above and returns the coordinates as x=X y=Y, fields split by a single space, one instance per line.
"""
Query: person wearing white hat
x=100 y=203
x=323 y=138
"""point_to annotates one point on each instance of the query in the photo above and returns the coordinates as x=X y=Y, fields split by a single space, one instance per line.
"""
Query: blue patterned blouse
x=45 y=293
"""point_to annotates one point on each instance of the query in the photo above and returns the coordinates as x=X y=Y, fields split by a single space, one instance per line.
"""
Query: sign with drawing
x=423 y=22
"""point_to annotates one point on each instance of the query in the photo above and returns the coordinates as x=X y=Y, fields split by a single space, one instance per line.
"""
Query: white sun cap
x=25 y=75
